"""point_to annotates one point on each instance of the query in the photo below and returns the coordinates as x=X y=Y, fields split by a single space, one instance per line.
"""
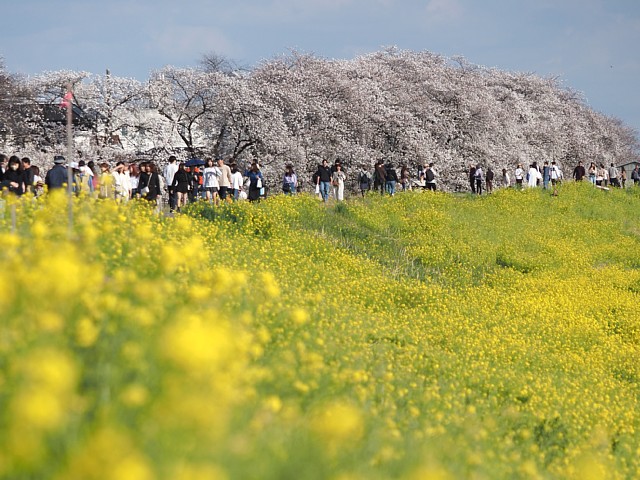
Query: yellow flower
x=134 y=395
x=86 y=332
x=197 y=344
x=338 y=424
x=38 y=408
x=299 y=316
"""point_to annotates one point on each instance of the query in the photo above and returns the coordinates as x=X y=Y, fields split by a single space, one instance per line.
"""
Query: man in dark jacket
x=28 y=175
x=579 y=172
x=472 y=177
x=391 y=178
x=380 y=176
x=57 y=176
x=635 y=175
x=323 y=176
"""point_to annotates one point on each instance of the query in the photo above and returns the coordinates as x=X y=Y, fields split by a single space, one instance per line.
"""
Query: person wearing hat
x=57 y=176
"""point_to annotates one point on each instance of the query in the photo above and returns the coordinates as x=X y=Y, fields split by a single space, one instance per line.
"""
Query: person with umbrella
x=193 y=165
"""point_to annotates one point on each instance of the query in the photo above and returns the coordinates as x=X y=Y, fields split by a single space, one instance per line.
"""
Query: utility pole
x=68 y=97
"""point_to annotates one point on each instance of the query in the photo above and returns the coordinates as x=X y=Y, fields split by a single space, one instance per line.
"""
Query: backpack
x=430 y=176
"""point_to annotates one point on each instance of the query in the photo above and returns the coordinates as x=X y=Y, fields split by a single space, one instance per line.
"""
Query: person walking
x=169 y=171
x=422 y=181
x=391 y=178
x=477 y=175
x=489 y=180
x=533 y=175
x=604 y=173
x=225 y=179
x=472 y=178
x=405 y=181
x=364 y=181
x=181 y=184
x=122 y=185
x=154 y=191
x=323 y=176
x=28 y=176
x=430 y=176
x=579 y=172
x=613 y=176
x=134 y=178
x=556 y=174
x=593 y=173
x=211 y=181
x=255 y=181
x=56 y=177
x=289 y=181
x=380 y=176
x=107 y=182
x=236 y=181
x=13 y=178
x=38 y=181
x=635 y=176
x=337 y=180
x=519 y=176
x=601 y=176
x=546 y=174
x=506 y=180
x=84 y=178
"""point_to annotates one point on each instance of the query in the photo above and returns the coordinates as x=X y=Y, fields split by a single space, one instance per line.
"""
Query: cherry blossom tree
x=394 y=105
x=16 y=109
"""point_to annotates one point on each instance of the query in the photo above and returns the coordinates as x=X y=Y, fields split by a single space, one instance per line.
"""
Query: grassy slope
x=494 y=337
x=492 y=332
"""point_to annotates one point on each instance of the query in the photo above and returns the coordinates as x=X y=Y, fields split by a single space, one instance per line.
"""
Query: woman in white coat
x=534 y=175
x=337 y=180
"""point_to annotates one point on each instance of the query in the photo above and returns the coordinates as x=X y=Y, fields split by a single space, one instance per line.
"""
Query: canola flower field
x=421 y=336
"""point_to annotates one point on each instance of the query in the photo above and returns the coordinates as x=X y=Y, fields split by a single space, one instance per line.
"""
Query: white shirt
x=211 y=176
x=123 y=184
x=169 y=171
x=236 y=181
x=519 y=173
x=86 y=171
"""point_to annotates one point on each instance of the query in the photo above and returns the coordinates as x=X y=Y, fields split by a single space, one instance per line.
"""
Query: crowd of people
x=386 y=179
x=182 y=183
x=215 y=181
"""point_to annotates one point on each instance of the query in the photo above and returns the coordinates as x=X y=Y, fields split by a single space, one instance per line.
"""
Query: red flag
x=66 y=100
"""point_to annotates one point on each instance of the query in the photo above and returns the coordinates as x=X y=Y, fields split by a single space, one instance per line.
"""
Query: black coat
x=11 y=176
x=151 y=180
x=181 y=181
x=56 y=177
x=324 y=173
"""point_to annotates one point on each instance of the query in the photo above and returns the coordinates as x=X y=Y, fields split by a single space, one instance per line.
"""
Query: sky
x=592 y=46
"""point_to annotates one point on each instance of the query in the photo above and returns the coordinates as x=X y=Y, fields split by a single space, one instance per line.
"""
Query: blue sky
x=592 y=45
